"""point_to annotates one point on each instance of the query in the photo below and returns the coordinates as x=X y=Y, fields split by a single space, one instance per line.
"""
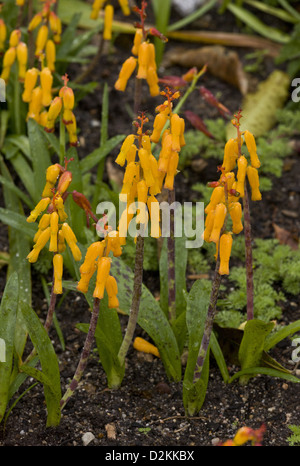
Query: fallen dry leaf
x=222 y=63
x=285 y=237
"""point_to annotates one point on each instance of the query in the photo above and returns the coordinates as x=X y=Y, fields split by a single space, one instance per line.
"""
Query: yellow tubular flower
x=64 y=182
x=29 y=83
x=138 y=37
x=39 y=208
x=41 y=40
x=225 y=251
x=143 y=60
x=35 y=22
x=175 y=131
x=35 y=104
x=153 y=207
x=41 y=242
x=111 y=287
x=156 y=187
x=125 y=7
x=251 y=146
x=172 y=170
x=235 y=211
x=126 y=71
x=50 y=55
x=5 y=73
x=115 y=243
x=241 y=175
x=22 y=56
x=146 y=166
x=3 y=33
x=14 y=38
x=108 y=19
x=94 y=251
x=209 y=223
x=181 y=136
x=121 y=158
x=103 y=270
x=96 y=7
x=216 y=197
x=165 y=153
x=230 y=155
x=46 y=79
x=71 y=240
x=54 y=232
x=83 y=284
x=58 y=272
x=159 y=122
x=142 y=191
x=54 y=111
x=61 y=245
x=220 y=215
x=253 y=179
x=43 y=224
x=52 y=173
x=59 y=204
x=152 y=81
x=9 y=57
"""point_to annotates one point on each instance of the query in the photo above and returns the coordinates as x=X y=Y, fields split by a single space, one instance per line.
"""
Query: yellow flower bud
x=14 y=38
x=126 y=71
x=43 y=224
x=146 y=166
x=142 y=191
x=241 y=175
x=220 y=215
x=253 y=179
x=129 y=140
x=64 y=182
x=103 y=270
x=3 y=32
x=46 y=79
x=225 y=251
x=172 y=170
x=41 y=40
x=153 y=207
x=35 y=104
x=22 y=55
x=251 y=146
x=108 y=19
x=61 y=245
x=125 y=7
x=209 y=222
x=94 y=251
x=67 y=95
x=235 y=211
x=216 y=197
x=159 y=122
x=156 y=187
x=181 y=136
x=9 y=57
x=125 y=219
x=83 y=284
x=112 y=291
x=96 y=7
x=71 y=240
x=5 y=73
x=143 y=60
x=243 y=435
x=59 y=204
x=54 y=231
x=138 y=37
x=152 y=81
x=43 y=239
x=165 y=153
x=55 y=108
x=40 y=207
x=33 y=255
x=230 y=155
x=114 y=243
x=35 y=22
x=50 y=55
x=29 y=83
x=58 y=272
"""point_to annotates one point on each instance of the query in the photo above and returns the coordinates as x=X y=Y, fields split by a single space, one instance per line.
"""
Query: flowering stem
x=137 y=96
x=211 y=313
x=171 y=261
x=137 y=292
x=84 y=355
x=248 y=254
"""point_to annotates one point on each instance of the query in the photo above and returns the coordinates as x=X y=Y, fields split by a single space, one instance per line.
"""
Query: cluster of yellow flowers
x=97 y=259
x=48 y=23
x=17 y=51
x=143 y=57
x=108 y=14
x=52 y=226
x=145 y=177
x=226 y=194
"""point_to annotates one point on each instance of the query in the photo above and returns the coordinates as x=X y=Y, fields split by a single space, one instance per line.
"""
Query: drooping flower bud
x=41 y=40
x=230 y=155
x=253 y=178
x=46 y=79
x=71 y=240
x=138 y=37
x=29 y=83
x=50 y=55
x=172 y=170
x=235 y=211
x=35 y=22
x=96 y=7
x=225 y=252
x=126 y=71
x=35 y=104
x=3 y=33
x=39 y=208
x=129 y=140
x=216 y=197
x=54 y=231
x=241 y=175
x=112 y=291
x=143 y=60
x=94 y=252
x=108 y=19
x=22 y=56
x=57 y=272
x=158 y=125
x=103 y=270
x=125 y=7
x=251 y=146
x=64 y=182
x=14 y=38
x=220 y=215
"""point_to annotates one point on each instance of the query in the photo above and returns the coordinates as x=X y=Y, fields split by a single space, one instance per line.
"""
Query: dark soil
x=147 y=410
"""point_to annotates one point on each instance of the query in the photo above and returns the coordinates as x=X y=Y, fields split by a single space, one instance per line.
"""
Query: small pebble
x=87 y=438
x=215 y=441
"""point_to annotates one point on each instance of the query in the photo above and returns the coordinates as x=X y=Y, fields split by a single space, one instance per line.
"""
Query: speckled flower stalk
x=84 y=355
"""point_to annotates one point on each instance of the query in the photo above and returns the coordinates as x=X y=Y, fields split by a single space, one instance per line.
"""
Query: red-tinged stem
x=248 y=255
x=84 y=355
